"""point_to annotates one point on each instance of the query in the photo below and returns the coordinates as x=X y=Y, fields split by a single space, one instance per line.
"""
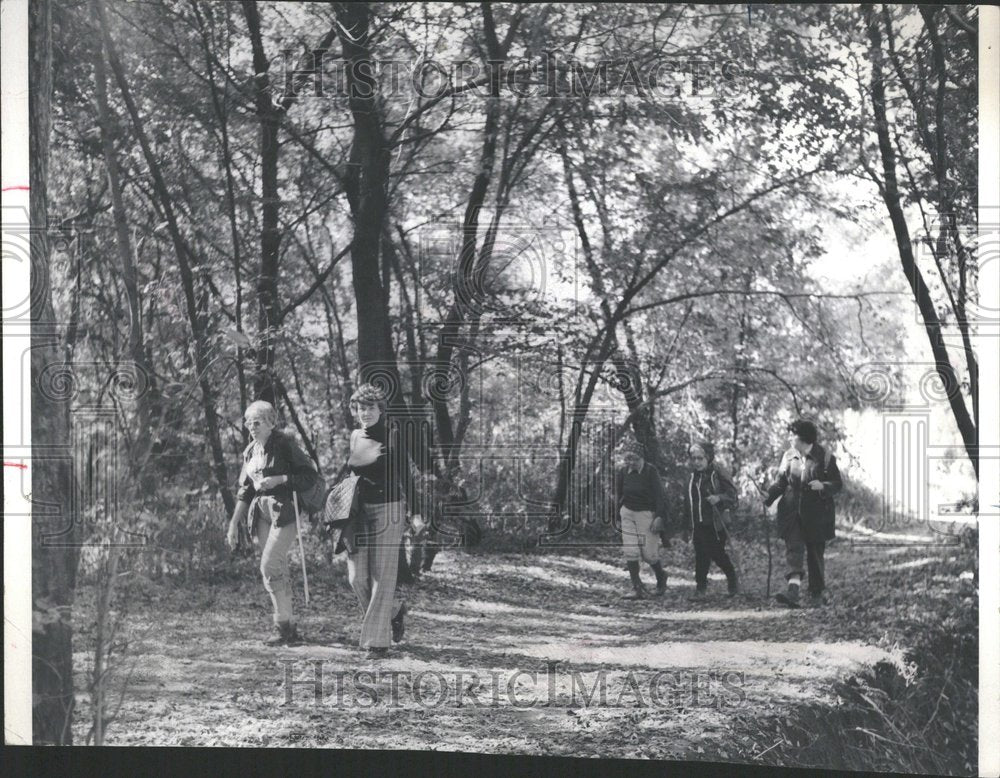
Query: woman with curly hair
x=387 y=478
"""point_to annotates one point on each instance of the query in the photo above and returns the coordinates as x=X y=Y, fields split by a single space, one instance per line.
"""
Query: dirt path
x=501 y=655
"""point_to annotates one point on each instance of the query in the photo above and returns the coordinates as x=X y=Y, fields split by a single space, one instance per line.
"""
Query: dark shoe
x=661 y=580
x=638 y=593
x=698 y=594
x=397 y=624
x=429 y=555
x=285 y=635
x=378 y=652
x=790 y=597
x=294 y=638
x=817 y=599
x=734 y=587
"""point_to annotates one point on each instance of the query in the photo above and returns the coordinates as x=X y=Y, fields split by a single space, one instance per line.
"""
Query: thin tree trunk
x=234 y=232
x=139 y=431
x=891 y=196
x=946 y=202
x=567 y=458
x=198 y=325
x=409 y=324
x=270 y=235
x=55 y=533
x=467 y=290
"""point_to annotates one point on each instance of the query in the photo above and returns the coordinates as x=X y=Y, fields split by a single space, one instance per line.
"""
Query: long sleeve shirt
x=278 y=455
x=641 y=490
x=798 y=500
x=384 y=466
x=702 y=485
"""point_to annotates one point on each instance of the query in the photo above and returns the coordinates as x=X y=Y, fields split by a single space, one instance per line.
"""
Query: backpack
x=721 y=518
x=313 y=499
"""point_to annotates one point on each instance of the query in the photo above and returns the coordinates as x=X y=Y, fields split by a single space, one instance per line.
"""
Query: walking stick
x=302 y=553
x=767 y=538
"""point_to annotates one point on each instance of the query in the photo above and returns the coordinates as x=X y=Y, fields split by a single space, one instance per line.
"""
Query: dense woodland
x=541 y=228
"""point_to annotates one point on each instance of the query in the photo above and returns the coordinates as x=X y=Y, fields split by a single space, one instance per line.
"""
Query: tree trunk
x=922 y=295
x=467 y=290
x=225 y=160
x=55 y=533
x=946 y=203
x=366 y=185
x=198 y=325
x=270 y=235
x=139 y=435
x=567 y=458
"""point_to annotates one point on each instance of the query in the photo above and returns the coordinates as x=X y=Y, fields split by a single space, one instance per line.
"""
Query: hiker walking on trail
x=709 y=495
x=808 y=478
x=273 y=468
x=387 y=477
x=642 y=506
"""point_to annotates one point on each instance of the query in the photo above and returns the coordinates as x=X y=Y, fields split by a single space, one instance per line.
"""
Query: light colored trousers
x=275 y=543
x=638 y=538
x=372 y=569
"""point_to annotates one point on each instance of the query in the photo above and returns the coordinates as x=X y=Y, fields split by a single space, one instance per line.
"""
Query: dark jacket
x=653 y=497
x=282 y=457
x=813 y=509
x=393 y=475
x=715 y=481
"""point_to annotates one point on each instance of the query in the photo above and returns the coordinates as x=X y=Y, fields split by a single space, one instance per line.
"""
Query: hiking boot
x=661 y=580
x=790 y=597
x=397 y=624
x=638 y=593
x=294 y=637
x=285 y=635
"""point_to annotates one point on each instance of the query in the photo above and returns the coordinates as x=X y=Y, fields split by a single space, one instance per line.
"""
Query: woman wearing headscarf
x=388 y=483
x=710 y=491
x=273 y=468
x=642 y=506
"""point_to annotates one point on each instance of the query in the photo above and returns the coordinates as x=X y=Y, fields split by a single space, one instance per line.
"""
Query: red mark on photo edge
x=17 y=188
x=15 y=464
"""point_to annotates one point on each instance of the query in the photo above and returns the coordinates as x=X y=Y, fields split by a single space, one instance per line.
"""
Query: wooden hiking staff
x=767 y=539
x=302 y=553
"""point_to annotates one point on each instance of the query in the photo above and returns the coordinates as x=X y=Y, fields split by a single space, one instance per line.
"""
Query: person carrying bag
x=372 y=514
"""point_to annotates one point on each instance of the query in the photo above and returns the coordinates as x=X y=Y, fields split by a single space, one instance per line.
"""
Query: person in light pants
x=273 y=468
x=642 y=508
x=388 y=486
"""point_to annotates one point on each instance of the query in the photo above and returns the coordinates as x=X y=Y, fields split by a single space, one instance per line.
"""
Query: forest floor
x=503 y=650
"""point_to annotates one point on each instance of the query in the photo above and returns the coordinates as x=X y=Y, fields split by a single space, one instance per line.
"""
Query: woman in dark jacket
x=710 y=492
x=273 y=468
x=808 y=478
x=387 y=478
